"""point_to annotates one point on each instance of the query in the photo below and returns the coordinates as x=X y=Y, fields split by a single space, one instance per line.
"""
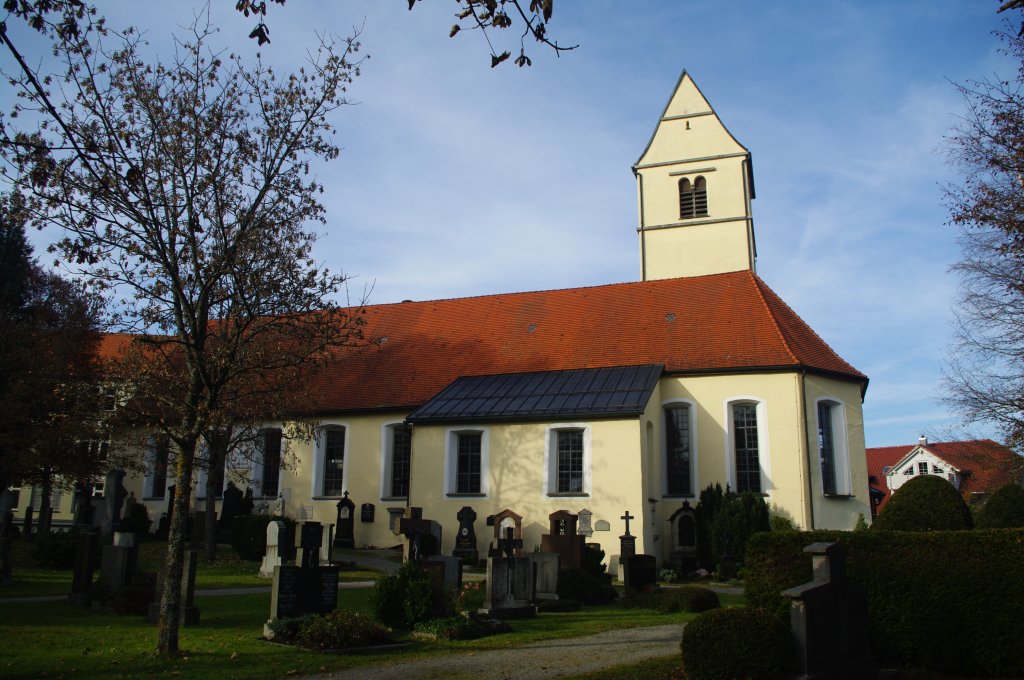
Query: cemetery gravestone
x=232 y=505
x=684 y=539
x=297 y=591
x=423 y=536
x=367 y=512
x=451 y=570
x=503 y=521
x=564 y=540
x=395 y=516
x=640 y=572
x=113 y=499
x=85 y=566
x=585 y=528
x=6 y=535
x=545 y=575
x=189 y=611
x=311 y=540
x=272 y=557
x=465 y=540
x=344 y=536
x=829 y=619
x=119 y=562
x=509 y=582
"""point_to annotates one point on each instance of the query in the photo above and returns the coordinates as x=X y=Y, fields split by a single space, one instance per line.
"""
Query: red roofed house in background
x=976 y=468
x=615 y=399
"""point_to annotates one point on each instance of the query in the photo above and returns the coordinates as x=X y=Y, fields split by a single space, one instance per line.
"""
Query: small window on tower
x=693 y=198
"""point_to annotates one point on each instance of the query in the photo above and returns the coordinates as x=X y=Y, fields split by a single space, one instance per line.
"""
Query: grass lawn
x=57 y=639
x=228 y=571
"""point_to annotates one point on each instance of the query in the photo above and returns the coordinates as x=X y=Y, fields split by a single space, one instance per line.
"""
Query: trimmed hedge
x=724 y=644
x=687 y=598
x=925 y=503
x=944 y=601
x=1003 y=510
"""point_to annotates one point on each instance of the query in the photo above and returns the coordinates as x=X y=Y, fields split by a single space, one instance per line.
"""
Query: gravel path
x=548 y=659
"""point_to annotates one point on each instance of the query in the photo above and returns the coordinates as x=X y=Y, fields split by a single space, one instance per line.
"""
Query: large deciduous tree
x=185 y=190
x=985 y=375
x=48 y=367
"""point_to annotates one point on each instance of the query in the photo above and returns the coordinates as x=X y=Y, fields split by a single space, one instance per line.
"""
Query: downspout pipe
x=805 y=437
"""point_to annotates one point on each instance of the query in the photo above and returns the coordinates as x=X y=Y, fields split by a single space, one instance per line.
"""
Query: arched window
x=832 y=449
x=693 y=198
x=745 y=447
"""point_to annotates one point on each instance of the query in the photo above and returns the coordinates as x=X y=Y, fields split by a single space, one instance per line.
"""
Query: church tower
x=695 y=183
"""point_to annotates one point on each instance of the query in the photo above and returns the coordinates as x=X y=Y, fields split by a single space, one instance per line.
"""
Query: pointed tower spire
x=695 y=183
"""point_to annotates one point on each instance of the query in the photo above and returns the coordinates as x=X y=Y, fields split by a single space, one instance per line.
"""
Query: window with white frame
x=746 y=449
x=678 y=450
x=397 y=460
x=567 y=459
x=466 y=462
x=922 y=468
x=333 y=462
x=270 y=459
x=832 y=451
x=156 y=467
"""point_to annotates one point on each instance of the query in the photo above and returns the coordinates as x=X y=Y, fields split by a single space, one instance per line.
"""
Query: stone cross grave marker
x=509 y=581
x=423 y=536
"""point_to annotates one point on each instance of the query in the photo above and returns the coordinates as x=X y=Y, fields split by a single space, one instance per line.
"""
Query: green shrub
x=925 y=503
x=409 y=596
x=583 y=586
x=136 y=520
x=340 y=629
x=725 y=522
x=58 y=550
x=592 y=560
x=724 y=644
x=249 y=536
x=946 y=601
x=287 y=629
x=780 y=523
x=692 y=599
x=1004 y=509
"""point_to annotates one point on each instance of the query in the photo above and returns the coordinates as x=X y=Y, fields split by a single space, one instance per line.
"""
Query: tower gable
x=694 y=184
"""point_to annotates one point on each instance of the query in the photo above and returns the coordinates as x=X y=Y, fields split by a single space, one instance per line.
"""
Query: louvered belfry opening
x=693 y=198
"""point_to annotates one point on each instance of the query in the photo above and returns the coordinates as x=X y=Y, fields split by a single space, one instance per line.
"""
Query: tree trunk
x=177 y=542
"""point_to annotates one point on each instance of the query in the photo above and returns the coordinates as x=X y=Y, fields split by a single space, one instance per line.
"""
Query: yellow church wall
x=516 y=477
x=695 y=250
x=840 y=511
x=727 y=198
x=700 y=137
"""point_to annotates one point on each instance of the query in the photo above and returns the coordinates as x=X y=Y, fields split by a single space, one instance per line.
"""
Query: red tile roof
x=706 y=324
x=989 y=465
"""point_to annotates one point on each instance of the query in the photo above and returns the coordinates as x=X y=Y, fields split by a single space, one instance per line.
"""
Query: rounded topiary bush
x=690 y=599
x=724 y=644
x=925 y=503
x=409 y=596
x=1004 y=509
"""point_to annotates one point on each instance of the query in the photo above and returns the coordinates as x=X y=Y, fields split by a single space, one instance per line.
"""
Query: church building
x=622 y=400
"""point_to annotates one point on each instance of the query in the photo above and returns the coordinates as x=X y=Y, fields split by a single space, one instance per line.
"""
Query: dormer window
x=693 y=198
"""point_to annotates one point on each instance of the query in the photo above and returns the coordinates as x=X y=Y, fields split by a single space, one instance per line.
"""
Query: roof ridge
x=551 y=290
x=771 y=315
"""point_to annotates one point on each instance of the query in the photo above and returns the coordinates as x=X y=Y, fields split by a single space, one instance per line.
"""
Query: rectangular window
x=677 y=451
x=922 y=468
x=158 y=476
x=748 y=470
x=826 y=448
x=936 y=470
x=271 y=461
x=467 y=475
x=334 y=461
x=570 y=461
x=401 y=450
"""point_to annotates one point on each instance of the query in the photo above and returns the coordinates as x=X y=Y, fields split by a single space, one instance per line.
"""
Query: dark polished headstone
x=465 y=539
x=641 y=571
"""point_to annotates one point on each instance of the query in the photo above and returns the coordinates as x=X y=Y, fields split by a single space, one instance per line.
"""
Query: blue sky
x=456 y=179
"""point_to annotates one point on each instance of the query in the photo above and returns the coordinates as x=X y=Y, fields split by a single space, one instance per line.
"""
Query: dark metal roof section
x=592 y=392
